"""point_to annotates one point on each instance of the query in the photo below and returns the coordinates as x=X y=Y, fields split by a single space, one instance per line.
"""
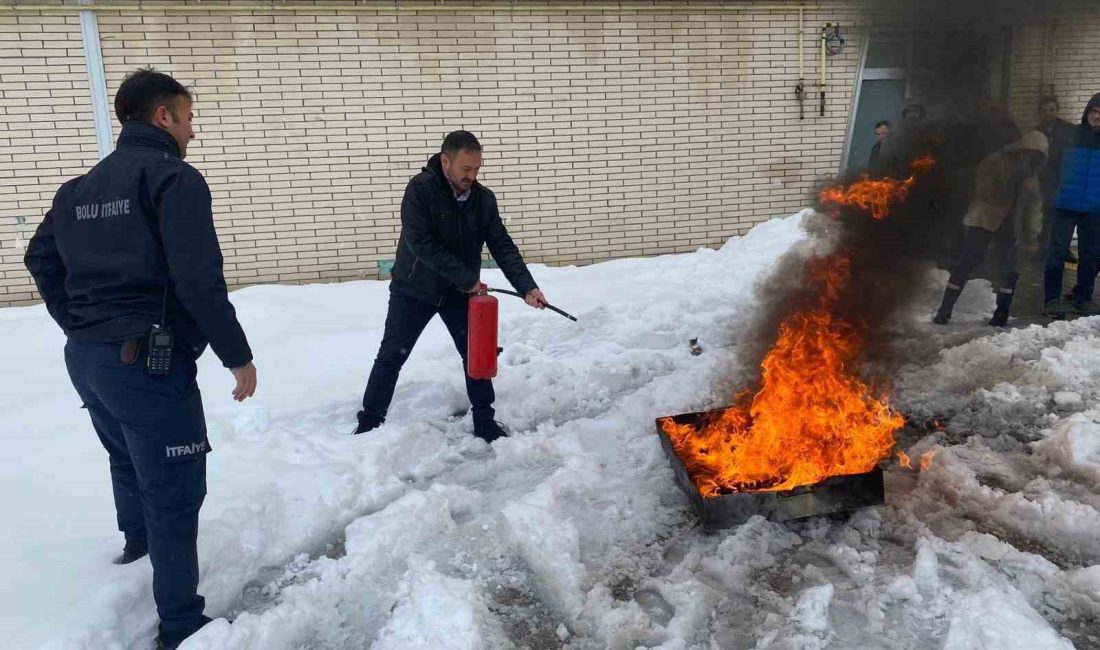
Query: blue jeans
x=405 y=320
x=1088 y=248
x=154 y=432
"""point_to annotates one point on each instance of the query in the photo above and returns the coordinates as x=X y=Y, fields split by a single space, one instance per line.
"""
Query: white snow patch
x=436 y=611
x=1074 y=445
x=994 y=619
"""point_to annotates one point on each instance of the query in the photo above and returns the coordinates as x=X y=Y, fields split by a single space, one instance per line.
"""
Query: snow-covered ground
x=571 y=533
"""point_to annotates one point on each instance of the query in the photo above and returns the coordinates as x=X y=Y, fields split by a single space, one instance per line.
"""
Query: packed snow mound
x=993 y=619
x=1073 y=444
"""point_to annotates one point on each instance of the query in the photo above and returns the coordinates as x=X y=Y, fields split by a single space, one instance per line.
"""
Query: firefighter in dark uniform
x=446 y=219
x=128 y=264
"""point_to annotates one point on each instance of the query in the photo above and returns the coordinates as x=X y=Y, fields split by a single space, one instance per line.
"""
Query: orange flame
x=811 y=419
x=925 y=460
x=813 y=416
x=874 y=196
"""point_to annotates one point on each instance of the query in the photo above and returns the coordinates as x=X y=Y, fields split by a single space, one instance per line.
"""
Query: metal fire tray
x=835 y=494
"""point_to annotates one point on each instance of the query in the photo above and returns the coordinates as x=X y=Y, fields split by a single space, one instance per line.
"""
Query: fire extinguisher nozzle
x=548 y=305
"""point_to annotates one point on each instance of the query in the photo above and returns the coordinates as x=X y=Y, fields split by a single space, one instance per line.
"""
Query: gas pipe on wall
x=831 y=43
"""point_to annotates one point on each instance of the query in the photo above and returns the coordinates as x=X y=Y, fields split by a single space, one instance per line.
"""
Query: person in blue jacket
x=128 y=263
x=1078 y=206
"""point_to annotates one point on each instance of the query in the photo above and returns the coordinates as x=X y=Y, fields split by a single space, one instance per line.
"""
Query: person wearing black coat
x=127 y=260
x=446 y=219
x=882 y=131
x=1061 y=134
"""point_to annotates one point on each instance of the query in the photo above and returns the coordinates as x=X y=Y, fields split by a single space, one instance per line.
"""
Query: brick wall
x=1062 y=56
x=611 y=130
x=1076 y=64
x=46 y=132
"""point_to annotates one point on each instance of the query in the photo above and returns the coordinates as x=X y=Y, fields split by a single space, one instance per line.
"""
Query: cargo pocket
x=174 y=459
x=179 y=484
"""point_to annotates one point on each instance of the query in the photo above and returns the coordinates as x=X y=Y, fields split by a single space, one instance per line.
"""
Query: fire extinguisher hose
x=548 y=305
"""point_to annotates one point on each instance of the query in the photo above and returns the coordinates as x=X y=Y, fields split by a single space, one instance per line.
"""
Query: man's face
x=881 y=132
x=1048 y=112
x=1094 y=117
x=177 y=122
x=462 y=170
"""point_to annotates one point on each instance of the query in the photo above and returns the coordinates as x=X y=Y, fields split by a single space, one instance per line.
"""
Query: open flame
x=813 y=416
x=874 y=195
x=925 y=460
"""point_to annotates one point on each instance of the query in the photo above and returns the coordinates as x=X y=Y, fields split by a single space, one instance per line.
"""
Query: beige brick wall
x=46 y=133
x=1062 y=56
x=1076 y=64
x=611 y=130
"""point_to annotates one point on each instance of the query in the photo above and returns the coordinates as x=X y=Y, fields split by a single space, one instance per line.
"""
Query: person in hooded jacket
x=1006 y=206
x=446 y=219
x=1077 y=202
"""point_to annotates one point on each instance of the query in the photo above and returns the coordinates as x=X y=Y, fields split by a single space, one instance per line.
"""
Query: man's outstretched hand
x=246 y=382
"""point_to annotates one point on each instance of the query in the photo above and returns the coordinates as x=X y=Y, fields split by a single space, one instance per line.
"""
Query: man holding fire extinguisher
x=446 y=218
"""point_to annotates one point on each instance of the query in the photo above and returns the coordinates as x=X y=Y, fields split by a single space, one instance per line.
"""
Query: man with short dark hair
x=1061 y=134
x=446 y=219
x=128 y=263
x=882 y=131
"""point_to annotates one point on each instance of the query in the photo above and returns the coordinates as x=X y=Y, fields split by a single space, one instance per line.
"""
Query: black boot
x=1000 y=315
x=171 y=639
x=489 y=430
x=943 y=314
x=132 y=552
x=367 y=422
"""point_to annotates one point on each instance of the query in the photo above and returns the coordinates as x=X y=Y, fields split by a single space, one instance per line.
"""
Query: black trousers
x=154 y=432
x=405 y=321
x=1088 y=248
x=976 y=241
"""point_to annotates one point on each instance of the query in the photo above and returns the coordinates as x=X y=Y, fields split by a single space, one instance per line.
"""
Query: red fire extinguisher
x=482 y=350
x=481 y=334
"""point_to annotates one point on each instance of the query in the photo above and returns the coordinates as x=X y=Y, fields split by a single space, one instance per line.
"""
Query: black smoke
x=959 y=50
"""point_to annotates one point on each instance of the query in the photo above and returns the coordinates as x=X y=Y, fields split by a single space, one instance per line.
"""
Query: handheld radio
x=160 y=344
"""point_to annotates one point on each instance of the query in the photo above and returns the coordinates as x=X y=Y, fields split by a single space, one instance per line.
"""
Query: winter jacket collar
x=139 y=134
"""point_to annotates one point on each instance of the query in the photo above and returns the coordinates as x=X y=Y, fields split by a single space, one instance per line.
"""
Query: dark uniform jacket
x=116 y=238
